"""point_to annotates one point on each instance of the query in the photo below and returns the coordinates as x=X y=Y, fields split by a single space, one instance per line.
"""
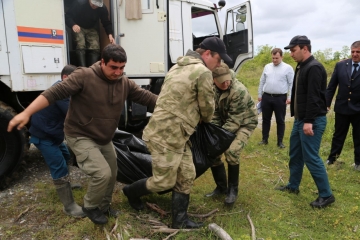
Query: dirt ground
x=22 y=192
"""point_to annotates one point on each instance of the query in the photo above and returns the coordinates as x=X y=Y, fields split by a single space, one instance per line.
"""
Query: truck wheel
x=13 y=145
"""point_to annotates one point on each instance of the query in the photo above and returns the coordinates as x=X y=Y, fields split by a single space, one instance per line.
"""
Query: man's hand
x=76 y=28
x=259 y=99
x=19 y=120
x=288 y=101
x=111 y=39
x=308 y=129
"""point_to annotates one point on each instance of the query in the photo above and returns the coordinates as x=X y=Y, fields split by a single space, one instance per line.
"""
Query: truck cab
x=35 y=44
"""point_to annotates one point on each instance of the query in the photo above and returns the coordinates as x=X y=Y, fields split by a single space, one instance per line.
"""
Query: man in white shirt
x=274 y=93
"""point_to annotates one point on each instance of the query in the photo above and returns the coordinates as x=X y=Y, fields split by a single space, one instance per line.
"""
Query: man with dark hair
x=82 y=17
x=186 y=98
x=308 y=106
x=47 y=134
x=346 y=77
x=98 y=94
x=274 y=93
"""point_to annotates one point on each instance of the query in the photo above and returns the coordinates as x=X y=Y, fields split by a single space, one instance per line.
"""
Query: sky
x=327 y=23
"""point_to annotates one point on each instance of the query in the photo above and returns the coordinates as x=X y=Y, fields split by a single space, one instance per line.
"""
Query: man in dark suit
x=346 y=77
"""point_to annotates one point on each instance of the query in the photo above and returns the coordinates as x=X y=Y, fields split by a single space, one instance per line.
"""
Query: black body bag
x=134 y=160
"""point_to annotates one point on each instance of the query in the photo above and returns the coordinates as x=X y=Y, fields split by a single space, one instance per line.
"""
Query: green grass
x=275 y=214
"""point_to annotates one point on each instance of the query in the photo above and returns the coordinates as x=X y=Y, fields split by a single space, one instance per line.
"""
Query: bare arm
x=21 y=119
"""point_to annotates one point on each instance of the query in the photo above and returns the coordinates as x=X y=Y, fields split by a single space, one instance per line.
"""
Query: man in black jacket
x=308 y=106
x=346 y=77
x=82 y=17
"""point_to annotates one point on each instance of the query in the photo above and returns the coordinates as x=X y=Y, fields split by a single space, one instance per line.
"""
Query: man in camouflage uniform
x=234 y=111
x=186 y=98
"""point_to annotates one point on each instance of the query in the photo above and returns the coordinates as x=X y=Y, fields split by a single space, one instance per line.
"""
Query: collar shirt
x=276 y=79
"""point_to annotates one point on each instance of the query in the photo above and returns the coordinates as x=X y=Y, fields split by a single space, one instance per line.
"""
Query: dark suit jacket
x=348 y=97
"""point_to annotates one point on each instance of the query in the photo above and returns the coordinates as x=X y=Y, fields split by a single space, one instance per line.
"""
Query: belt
x=275 y=95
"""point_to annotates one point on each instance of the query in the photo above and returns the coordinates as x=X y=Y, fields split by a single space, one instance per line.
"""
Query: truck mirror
x=222 y=3
x=240 y=18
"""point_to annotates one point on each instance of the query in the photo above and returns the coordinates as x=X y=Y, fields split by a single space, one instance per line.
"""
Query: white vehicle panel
x=144 y=41
x=176 y=47
x=42 y=59
x=4 y=66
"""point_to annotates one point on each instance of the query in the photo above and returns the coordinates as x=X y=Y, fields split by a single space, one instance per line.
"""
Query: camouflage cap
x=222 y=73
x=98 y=3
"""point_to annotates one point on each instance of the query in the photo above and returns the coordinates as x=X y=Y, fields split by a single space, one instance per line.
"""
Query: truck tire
x=13 y=145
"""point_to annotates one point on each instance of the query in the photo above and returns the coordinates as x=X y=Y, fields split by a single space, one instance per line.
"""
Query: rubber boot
x=92 y=57
x=64 y=192
x=233 y=182
x=134 y=191
x=219 y=176
x=74 y=185
x=180 y=203
x=80 y=56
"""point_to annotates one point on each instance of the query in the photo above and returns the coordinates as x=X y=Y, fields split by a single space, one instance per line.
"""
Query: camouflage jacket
x=186 y=97
x=235 y=109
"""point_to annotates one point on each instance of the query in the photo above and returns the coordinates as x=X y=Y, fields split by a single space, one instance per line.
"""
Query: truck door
x=238 y=36
x=4 y=66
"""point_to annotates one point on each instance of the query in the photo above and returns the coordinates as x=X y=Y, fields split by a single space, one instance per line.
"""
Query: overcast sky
x=327 y=23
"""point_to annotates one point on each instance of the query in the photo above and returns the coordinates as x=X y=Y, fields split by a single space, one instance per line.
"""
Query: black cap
x=215 y=44
x=299 y=39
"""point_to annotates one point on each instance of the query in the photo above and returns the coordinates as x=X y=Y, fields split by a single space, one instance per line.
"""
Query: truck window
x=203 y=25
x=236 y=20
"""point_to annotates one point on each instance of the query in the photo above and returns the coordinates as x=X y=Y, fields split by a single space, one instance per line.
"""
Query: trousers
x=99 y=163
x=277 y=105
x=170 y=169
x=56 y=156
x=304 y=149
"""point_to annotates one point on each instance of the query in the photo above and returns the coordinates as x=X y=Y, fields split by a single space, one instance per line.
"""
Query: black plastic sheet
x=134 y=160
x=208 y=142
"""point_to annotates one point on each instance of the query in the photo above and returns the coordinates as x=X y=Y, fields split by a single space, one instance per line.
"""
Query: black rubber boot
x=233 y=176
x=80 y=56
x=180 y=203
x=219 y=176
x=92 y=57
x=63 y=189
x=134 y=191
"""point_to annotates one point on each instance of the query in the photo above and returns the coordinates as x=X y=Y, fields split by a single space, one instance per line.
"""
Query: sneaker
x=321 y=202
x=287 y=189
x=263 y=142
x=95 y=215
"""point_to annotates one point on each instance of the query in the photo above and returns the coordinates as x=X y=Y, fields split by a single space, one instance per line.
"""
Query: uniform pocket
x=82 y=156
x=186 y=129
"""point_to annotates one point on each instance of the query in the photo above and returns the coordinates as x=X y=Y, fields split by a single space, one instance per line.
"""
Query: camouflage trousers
x=171 y=170
x=232 y=154
x=87 y=39
x=99 y=163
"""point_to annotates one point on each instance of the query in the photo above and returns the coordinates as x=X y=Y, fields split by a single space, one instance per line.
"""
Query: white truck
x=35 y=45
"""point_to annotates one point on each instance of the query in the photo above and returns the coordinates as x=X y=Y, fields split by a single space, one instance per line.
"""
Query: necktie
x=354 y=71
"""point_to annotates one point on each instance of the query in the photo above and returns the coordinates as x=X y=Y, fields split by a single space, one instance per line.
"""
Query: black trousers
x=276 y=104
x=342 y=123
